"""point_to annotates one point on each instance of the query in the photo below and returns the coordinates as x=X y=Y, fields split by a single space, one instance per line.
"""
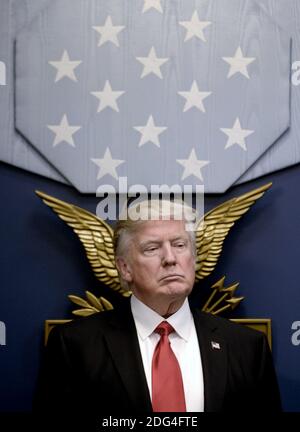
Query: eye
x=180 y=245
x=150 y=250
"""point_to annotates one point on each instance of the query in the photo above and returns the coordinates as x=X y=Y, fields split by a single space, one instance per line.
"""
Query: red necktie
x=167 y=385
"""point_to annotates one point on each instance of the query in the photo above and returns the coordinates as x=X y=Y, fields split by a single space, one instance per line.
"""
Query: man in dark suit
x=154 y=353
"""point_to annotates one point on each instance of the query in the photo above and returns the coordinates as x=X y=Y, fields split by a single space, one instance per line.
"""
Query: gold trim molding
x=260 y=324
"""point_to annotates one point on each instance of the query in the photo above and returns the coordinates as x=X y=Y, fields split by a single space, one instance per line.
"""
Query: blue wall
x=42 y=262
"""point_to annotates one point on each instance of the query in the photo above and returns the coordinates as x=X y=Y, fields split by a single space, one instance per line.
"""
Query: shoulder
x=228 y=330
x=85 y=328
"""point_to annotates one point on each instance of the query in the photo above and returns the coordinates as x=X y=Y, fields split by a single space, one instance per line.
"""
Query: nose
x=168 y=256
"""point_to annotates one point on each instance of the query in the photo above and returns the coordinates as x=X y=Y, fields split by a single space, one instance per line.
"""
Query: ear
x=124 y=269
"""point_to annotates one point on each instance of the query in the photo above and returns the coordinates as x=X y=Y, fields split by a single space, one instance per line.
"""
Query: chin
x=176 y=289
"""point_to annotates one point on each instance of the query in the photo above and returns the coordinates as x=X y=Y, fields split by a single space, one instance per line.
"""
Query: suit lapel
x=123 y=344
x=214 y=362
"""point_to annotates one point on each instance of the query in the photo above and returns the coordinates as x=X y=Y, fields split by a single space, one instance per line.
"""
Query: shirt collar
x=146 y=319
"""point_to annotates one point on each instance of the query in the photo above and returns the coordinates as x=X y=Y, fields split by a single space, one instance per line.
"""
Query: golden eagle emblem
x=97 y=238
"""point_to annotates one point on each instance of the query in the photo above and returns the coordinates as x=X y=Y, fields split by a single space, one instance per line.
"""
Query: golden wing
x=96 y=237
x=215 y=225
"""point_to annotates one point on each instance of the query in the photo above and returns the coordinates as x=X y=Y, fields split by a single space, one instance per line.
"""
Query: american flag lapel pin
x=215 y=345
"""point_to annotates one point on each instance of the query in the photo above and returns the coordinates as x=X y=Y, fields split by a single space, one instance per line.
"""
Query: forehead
x=161 y=229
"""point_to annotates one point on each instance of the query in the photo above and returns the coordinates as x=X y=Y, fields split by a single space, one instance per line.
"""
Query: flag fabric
x=182 y=92
x=286 y=150
x=14 y=148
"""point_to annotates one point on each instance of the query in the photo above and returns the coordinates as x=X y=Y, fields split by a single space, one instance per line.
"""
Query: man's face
x=160 y=263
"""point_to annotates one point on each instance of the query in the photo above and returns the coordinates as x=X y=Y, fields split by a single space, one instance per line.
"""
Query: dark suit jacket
x=93 y=365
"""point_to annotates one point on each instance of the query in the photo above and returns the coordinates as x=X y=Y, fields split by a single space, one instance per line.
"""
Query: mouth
x=171 y=277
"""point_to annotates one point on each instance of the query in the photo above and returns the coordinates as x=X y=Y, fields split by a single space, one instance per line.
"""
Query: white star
x=65 y=67
x=108 y=32
x=192 y=166
x=194 y=98
x=148 y=4
x=195 y=27
x=150 y=132
x=152 y=63
x=236 y=135
x=107 y=97
x=238 y=63
x=107 y=165
x=63 y=132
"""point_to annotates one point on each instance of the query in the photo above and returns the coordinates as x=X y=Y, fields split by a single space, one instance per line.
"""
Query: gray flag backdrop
x=194 y=89
x=285 y=151
x=14 y=148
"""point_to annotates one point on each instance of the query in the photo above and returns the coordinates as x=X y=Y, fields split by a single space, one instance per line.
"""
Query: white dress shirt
x=184 y=343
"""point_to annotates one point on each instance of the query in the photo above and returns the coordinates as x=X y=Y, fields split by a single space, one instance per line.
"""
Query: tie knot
x=164 y=328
